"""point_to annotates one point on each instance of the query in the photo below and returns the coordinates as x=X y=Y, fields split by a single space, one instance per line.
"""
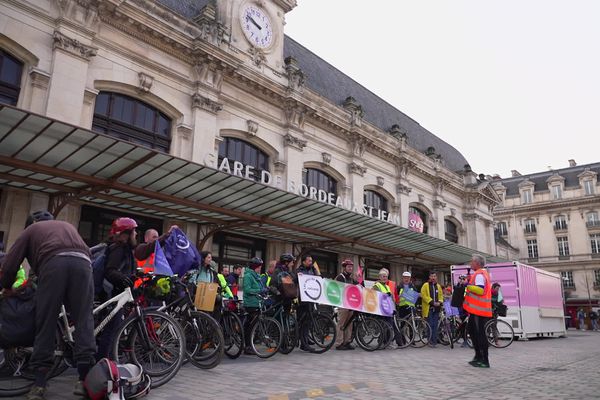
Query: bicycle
x=499 y=333
x=445 y=334
x=265 y=332
x=289 y=326
x=420 y=327
x=317 y=329
x=232 y=327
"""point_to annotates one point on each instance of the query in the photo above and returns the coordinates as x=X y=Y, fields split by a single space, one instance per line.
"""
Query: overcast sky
x=511 y=84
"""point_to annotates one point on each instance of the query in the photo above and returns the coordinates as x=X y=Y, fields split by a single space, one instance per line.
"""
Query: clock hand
x=254 y=22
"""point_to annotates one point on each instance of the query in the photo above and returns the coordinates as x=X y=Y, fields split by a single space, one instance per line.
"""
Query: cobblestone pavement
x=565 y=368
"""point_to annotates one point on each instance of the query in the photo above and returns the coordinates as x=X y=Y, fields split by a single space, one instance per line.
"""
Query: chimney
x=572 y=163
x=496 y=177
x=469 y=177
x=514 y=172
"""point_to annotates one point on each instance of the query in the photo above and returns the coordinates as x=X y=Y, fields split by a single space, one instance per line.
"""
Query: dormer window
x=556 y=192
x=588 y=187
x=527 y=196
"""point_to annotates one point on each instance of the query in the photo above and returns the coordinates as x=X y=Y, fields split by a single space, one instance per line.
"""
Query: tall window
x=527 y=196
x=530 y=226
x=375 y=200
x=595 y=242
x=532 y=248
x=502 y=229
x=130 y=119
x=320 y=180
x=451 y=233
x=563 y=246
x=592 y=219
x=10 y=78
x=596 y=277
x=567 y=279
x=560 y=222
x=238 y=150
x=588 y=186
x=556 y=192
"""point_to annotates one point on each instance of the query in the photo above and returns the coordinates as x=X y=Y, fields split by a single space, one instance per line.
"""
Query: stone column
x=203 y=132
x=69 y=73
x=293 y=153
x=403 y=195
x=40 y=81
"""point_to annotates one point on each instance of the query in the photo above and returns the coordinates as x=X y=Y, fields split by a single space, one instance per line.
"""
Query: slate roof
x=334 y=85
x=539 y=178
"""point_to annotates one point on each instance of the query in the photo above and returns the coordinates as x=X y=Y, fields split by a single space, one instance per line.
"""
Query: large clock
x=257 y=26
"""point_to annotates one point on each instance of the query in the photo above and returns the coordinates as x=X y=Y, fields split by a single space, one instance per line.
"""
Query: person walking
x=478 y=303
x=432 y=299
x=581 y=318
x=594 y=319
x=60 y=259
x=344 y=336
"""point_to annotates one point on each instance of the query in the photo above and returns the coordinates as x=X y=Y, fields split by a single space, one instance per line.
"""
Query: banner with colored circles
x=330 y=292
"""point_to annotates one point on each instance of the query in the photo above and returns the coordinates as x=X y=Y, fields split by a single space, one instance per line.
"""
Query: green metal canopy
x=72 y=163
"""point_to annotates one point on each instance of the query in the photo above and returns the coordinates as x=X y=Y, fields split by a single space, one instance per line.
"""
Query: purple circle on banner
x=386 y=304
x=353 y=297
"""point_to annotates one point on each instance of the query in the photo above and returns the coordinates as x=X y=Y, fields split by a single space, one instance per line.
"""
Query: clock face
x=257 y=26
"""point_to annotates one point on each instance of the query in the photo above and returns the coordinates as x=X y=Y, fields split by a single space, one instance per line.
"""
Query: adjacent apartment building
x=552 y=219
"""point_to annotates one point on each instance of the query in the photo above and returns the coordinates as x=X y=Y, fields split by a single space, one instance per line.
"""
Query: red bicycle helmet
x=121 y=225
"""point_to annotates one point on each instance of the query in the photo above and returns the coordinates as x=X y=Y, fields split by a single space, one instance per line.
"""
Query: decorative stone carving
x=81 y=12
x=355 y=110
x=257 y=55
x=403 y=168
x=89 y=95
x=439 y=204
x=326 y=158
x=252 y=127
x=146 y=82
x=294 y=114
x=453 y=212
x=199 y=101
x=39 y=79
x=208 y=72
x=438 y=186
x=279 y=166
x=397 y=132
x=358 y=144
x=421 y=198
x=403 y=189
x=289 y=140
x=295 y=75
x=73 y=46
x=380 y=180
x=471 y=216
x=184 y=131
x=211 y=30
x=357 y=169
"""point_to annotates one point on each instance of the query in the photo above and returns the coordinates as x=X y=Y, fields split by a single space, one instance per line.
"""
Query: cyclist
x=432 y=301
x=382 y=286
x=144 y=252
x=404 y=304
x=60 y=259
x=497 y=300
x=306 y=267
x=252 y=285
x=344 y=336
x=478 y=303
x=458 y=297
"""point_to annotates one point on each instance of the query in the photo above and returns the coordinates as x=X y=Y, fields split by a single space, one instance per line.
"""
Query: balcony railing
x=562 y=258
x=593 y=224
x=530 y=230
x=560 y=227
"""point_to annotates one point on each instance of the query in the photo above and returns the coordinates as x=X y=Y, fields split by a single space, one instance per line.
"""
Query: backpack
x=17 y=321
x=286 y=285
x=99 y=257
x=109 y=380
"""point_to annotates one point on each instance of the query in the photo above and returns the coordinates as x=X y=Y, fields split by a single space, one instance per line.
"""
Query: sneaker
x=341 y=347
x=349 y=346
x=474 y=363
x=36 y=393
x=79 y=389
x=483 y=364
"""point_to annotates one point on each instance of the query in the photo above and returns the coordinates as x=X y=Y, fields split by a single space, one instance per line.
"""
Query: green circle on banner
x=334 y=293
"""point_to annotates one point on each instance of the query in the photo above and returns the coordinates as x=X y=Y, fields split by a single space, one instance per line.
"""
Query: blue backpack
x=99 y=257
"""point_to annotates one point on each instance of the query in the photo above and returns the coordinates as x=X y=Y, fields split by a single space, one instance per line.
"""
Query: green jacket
x=426 y=298
x=252 y=286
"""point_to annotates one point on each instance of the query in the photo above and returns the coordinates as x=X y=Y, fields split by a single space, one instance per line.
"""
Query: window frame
x=556 y=192
x=502 y=228
x=532 y=249
x=563 y=246
x=567 y=279
x=595 y=243
x=527 y=196
x=589 y=187
x=332 y=182
x=11 y=89
x=377 y=196
x=560 y=222
x=262 y=162
x=530 y=227
x=450 y=236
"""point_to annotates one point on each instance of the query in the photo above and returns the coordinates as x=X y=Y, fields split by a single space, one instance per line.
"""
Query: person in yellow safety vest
x=432 y=299
x=382 y=286
x=404 y=305
x=268 y=275
x=226 y=291
x=144 y=252
x=478 y=303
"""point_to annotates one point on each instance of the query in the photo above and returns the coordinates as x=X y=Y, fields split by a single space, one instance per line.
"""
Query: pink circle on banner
x=352 y=297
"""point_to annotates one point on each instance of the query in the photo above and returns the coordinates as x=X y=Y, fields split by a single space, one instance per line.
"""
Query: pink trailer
x=534 y=298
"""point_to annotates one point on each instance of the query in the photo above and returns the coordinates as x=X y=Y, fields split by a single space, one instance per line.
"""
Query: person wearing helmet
x=252 y=287
x=405 y=287
x=458 y=298
x=60 y=260
x=344 y=328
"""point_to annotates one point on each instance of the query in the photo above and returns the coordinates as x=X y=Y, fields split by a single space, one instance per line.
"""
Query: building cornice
x=547 y=206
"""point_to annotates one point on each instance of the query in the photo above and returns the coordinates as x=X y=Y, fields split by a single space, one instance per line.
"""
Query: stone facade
x=558 y=212
x=212 y=83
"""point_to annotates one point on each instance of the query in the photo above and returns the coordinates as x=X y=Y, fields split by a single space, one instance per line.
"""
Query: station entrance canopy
x=70 y=163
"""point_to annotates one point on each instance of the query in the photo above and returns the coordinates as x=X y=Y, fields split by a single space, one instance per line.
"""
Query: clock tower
x=256 y=29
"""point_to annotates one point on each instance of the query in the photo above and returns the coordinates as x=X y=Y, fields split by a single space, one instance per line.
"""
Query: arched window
x=238 y=150
x=451 y=231
x=11 y=70
x=320 y=180
x=130 y=119
x=422 y=216
x=375 y=200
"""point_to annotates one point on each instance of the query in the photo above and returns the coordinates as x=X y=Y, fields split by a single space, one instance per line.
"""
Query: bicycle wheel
x=499 y=333
x=422 y=332
x=290 y=334
x=387 y=334
x=320 y=333
x=406 y=336
x=266 y=336
x=444 y=335
x=367 y=333
x=209 y=343
x=233 y=333
x=154 y=341
x=16 y=378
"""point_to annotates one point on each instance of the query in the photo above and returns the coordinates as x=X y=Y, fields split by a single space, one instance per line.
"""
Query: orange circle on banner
x=371 y=301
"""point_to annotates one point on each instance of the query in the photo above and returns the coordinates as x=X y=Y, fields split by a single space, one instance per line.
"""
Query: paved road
x=566 y=368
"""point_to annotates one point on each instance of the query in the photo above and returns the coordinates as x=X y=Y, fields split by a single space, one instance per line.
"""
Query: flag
x=180 y=253
x=161 y=265
x=359 y=275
